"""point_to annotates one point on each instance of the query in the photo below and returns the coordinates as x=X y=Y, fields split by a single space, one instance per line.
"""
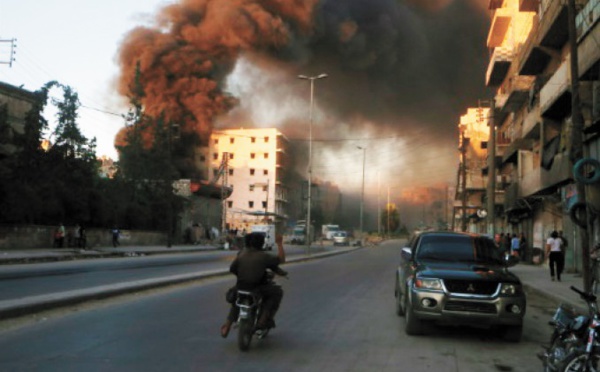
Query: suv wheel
x=413 y=326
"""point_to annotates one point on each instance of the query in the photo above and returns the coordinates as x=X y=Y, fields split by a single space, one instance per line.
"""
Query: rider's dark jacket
x=250 y=267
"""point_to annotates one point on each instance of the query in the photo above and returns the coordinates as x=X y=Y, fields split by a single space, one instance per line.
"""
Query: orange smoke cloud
x=186 y=57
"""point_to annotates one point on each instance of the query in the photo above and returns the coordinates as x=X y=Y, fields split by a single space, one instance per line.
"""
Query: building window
x=253 y=139
x=231 y=172
x=265 y=188
x=229 y=204
x=202 y=158
x=265 y=204
x=231 y=155
x=251 y=187
x=266 y=139
x=231 y=140
x=216 y=156
x=266 y=155
x=250 y=204
x=215 y=172
x=252 y=155
x=266 y=172
x=252 y=171
x=216 y=141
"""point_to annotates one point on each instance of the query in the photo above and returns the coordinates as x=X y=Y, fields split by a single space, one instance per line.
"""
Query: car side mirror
x=406 y=253
x=511 y=260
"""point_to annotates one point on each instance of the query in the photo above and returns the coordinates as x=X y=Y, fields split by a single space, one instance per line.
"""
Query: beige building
x=253 y=162
x=15 y=103
x=471 y=178
x=530 y=68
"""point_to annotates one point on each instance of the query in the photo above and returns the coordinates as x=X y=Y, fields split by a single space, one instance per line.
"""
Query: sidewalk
x=537 y=278
x=15 y=256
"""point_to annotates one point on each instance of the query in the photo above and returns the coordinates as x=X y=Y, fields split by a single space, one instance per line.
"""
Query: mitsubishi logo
x=471 y=288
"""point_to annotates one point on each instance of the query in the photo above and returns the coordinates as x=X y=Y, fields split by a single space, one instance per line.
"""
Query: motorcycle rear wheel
x=575 y=362
x=245 y=331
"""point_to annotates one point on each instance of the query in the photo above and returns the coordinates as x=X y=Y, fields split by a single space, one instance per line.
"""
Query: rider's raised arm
x=280 y=251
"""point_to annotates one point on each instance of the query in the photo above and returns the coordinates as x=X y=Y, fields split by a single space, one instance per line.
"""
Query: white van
x=269 y=231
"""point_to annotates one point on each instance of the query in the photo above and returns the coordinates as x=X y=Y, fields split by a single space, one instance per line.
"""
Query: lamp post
x=362 y=194
x=312 y=94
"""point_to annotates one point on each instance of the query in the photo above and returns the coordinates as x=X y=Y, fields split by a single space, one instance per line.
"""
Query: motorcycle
x=575 y=343
x=250 y=304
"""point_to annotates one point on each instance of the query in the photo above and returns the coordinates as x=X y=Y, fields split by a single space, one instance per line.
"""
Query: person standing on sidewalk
x=514 y=245
x=555 y=255
x=115 y=236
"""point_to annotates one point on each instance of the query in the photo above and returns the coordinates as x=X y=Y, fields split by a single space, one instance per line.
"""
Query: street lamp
x=362 y=194
x=312 y=94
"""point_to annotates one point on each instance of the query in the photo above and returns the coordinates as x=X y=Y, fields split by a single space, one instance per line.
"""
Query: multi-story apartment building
x=471 y=180
x=255 y=166
x=530 y=68
x=15 y=103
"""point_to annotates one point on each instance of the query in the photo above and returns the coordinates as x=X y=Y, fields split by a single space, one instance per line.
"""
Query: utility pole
x=576 y=151
x=463 y=152
x=225 y=169
x=11 y=55
x=491 y=185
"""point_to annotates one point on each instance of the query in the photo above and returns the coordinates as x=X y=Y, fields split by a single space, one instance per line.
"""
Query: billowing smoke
x=400 y=75
x=184 y=60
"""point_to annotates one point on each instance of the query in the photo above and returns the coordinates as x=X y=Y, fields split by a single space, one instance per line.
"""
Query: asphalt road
x=337 y=315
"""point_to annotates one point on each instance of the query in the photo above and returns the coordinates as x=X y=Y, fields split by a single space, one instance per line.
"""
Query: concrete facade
x=532 y=114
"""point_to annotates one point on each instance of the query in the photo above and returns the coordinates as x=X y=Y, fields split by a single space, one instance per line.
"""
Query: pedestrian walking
x=116 y=233
x=82 y=242
x=523 y=251
x=563 y=241
x=514 y=245
x=60 y=235
x=555 y=255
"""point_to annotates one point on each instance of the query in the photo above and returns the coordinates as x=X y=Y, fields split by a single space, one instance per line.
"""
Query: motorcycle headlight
x=509 y=289
x=429 y=283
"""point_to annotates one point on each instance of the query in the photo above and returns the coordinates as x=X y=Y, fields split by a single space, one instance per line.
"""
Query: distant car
x=458 y=279
x=341 y=238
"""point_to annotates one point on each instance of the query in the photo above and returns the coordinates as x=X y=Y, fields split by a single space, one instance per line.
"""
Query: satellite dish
x=481 y=213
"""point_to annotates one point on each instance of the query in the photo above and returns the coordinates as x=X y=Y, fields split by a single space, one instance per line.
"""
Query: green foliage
x=62 y=183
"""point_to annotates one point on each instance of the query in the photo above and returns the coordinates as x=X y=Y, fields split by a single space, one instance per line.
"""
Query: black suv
x=458 y=279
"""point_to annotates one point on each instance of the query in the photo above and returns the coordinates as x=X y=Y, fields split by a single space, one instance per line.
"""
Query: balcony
x=516 y=91
x=495 y=4
x=554 y=31
x=499 y=27
x=511 y=152
x=588 y=50
x=555 y=97
x=532 y=124
x=511 y=197
x=529 y=5
x=560 y=172
x=532 y=58
x=531 y=183
x=499 y=65
x=587 y=18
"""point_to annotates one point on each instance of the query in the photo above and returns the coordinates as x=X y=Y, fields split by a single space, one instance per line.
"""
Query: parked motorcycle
x=574 y=344
x=250 y=308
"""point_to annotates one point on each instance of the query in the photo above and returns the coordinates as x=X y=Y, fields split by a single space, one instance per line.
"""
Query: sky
x=74 y=42
x=401 y=72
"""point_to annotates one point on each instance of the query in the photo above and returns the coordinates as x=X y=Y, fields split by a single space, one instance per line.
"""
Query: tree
x=390 y=219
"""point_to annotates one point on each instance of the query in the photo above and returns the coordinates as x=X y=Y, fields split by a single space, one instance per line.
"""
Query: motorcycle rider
x=250 y=266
